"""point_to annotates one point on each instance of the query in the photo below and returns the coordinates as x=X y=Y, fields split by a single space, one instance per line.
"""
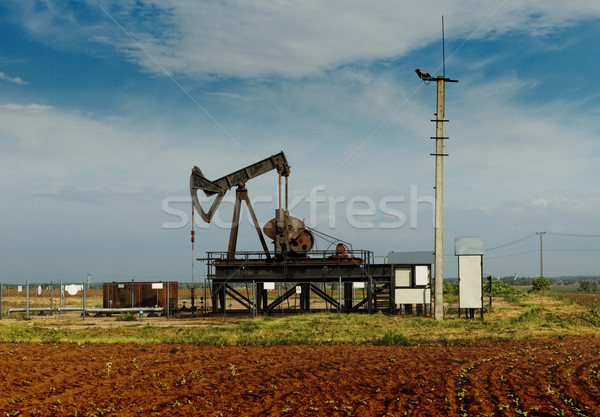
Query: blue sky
x=106 y=106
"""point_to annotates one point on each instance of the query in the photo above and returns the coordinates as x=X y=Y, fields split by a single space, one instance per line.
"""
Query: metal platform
x=342 y=283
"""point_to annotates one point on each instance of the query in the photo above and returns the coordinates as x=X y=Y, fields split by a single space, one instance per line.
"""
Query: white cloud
x=516 y=148
x=46 y=150
x=237 y=38
x=303 y=38
x=54 y=145
x=14 y=80
x=540 y=202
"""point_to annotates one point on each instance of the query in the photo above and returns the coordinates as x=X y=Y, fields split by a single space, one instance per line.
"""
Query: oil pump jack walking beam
x=236 y=179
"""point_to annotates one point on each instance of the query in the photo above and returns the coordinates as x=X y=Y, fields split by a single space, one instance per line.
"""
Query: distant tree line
x=589 y=286
x=498 y=288
x=528 y=281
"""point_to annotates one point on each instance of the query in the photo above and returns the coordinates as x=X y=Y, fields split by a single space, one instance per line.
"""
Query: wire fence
x=79 y=299
x=72 y=300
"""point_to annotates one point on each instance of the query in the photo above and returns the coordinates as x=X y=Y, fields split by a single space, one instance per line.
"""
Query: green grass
x=517 y=317
x=127 y=317
x=565 y=288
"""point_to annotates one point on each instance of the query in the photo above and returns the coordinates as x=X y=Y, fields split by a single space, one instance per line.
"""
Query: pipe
x=279 y=191
x=91 y=309
x=286 y=193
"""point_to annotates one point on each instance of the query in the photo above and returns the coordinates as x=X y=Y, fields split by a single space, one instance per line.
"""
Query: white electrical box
x=421 y=275
x=470 y=291
x=403 y=277
x=412 y=296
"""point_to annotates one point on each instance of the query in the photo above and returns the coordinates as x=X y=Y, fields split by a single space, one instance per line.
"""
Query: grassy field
x=516 y=317
x=532 y=354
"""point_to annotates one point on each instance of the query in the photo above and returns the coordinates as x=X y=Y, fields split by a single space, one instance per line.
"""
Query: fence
x=81 y=300
x=42 y=299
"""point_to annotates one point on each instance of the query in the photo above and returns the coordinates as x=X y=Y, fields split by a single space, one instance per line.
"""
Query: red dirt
x=544 y=377
x=584 y=299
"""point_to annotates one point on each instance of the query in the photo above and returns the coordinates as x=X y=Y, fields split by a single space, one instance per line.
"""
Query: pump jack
x=290 y=263
x=289 y=234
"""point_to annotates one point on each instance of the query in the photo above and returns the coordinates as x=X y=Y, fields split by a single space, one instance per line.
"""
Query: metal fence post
x=254 y=294
x=27 y=297
x=60 y=296
x=83 y=308
x=339 y=306
x=168 y=306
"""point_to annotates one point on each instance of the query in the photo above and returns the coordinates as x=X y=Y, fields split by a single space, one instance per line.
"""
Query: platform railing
x=365 y=256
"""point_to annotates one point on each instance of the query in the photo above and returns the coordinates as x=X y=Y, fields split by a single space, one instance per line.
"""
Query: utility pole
x=439 y=201
x=541 y=234
x=439 y=190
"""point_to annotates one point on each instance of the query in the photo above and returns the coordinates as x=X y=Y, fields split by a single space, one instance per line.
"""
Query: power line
x=571 y=234
x=534 y=234
x=545 y=250
x=513 y=254
x=573 y=250
x=512 y=243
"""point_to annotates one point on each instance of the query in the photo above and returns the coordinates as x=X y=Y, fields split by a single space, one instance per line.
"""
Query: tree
x=540 y=284
x=588 y=286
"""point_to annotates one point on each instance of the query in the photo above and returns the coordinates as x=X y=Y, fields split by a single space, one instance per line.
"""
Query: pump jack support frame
x=241 y=194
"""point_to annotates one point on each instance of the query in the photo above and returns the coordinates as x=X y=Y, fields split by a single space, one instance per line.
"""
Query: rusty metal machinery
x=237 y=178
x=289 y=234
x=292 y=260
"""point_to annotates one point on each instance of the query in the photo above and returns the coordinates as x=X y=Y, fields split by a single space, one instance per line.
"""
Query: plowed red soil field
x=584 y=299
x=543 y=377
